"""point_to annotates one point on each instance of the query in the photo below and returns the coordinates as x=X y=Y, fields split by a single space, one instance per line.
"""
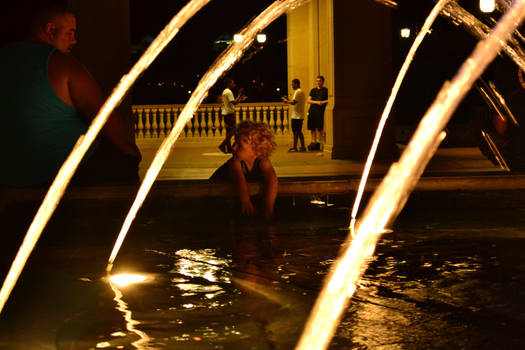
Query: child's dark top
x=223 y=172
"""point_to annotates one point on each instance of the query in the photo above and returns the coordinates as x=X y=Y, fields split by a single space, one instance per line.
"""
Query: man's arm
x=86 y=95
x=240 y=97
x=293 y=101
x=313 y=102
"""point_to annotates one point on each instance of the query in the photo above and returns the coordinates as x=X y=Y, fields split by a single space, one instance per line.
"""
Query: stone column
x=310 y=53
x=363 y=65
x=103 y=35
x=350 y=44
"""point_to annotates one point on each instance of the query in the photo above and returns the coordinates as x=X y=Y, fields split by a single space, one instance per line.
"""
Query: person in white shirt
x=297 y=101
x=228 y=112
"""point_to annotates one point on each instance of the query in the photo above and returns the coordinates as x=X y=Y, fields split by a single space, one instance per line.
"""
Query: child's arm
x=242 y=187
x=270 y=187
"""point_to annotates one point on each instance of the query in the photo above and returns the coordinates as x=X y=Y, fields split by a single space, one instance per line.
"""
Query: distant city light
x=189 y=92
x=487 y=5
x=261 y=38
x=405 y=33
x=278 y=89
x=237 y=38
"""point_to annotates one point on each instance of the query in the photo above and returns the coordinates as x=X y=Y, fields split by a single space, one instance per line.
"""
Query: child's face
x=243 y=149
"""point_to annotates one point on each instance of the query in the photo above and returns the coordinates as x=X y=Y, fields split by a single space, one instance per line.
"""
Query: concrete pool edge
x=287 y=187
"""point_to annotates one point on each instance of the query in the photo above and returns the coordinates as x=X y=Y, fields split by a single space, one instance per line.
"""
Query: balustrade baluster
x=286 y=120
x=279 y=121
x=169 y=125
x=147 y=125
x=139 y=128
x=162 y=125
x=250 y=113
x=265 y=115
x=154 y=124
x=191 y=126
x=258 y=114
x=209 y=121
x=238 y=115
x=272 y=117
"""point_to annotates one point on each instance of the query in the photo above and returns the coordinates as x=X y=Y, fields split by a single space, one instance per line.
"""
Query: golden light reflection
x=125 y=279
x=122 y=306
x=204 y=264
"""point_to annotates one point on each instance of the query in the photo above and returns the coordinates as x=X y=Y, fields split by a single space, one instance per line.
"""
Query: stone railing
x=156 y=121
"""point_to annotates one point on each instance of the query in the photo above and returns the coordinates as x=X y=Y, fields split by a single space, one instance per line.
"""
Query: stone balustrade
x=156 y=121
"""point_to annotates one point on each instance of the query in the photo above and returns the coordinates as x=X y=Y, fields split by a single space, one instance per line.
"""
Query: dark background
x=261 y=71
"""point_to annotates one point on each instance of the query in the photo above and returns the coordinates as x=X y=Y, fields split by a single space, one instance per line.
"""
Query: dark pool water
x=451 y=275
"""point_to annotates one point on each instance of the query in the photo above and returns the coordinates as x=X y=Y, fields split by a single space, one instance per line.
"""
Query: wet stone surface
x=450 y=275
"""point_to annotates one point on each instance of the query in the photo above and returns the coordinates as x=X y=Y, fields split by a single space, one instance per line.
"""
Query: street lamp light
x=261 y=38
x=237 y=38
x=487 y=5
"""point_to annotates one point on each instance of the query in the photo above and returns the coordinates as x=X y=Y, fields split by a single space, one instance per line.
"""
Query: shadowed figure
x=48 y=101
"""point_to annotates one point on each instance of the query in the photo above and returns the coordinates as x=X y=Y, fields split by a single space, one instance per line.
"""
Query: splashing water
x=59 y=185
x=386 y=112
x=221 y=65
x=459 y=16
x=393 y=191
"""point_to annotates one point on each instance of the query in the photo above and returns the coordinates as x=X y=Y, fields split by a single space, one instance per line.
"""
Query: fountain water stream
x=386 y=112
x=391 y=195
x=59 y=185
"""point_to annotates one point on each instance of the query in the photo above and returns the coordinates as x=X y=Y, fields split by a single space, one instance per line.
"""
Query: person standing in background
x=297 y=102
x=318 y=99
x=228 y=112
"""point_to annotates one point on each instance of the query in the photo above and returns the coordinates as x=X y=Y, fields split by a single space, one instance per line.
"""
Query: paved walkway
x=197 y=159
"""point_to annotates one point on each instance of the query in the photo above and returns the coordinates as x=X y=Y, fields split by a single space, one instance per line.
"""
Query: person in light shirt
x=297 y=101
x=228 y=112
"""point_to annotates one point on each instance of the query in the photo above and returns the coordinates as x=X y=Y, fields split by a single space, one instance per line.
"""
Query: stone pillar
x=310 y=53
x=350 y=44
x=103 y=35
x=363 y=65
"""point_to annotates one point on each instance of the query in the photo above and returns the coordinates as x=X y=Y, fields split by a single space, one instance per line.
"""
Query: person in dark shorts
x=297 y=102
x=317 y=100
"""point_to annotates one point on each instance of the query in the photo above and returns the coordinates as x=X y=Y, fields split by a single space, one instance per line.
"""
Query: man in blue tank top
x=48 y=101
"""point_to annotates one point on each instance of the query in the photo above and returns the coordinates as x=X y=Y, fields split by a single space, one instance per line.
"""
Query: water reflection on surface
x=449 y=277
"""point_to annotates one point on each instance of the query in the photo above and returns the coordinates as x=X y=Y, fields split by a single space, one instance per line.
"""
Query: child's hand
x=248 y=208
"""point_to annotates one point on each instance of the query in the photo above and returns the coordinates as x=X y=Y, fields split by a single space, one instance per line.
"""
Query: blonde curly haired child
x=254 y=142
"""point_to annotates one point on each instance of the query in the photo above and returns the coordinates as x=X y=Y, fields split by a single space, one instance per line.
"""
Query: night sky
x=178 y=69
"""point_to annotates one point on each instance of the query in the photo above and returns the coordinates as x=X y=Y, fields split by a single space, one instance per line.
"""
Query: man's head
x=296 y=84
x=319 y=81
x=229 y=83
x=55 y=25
